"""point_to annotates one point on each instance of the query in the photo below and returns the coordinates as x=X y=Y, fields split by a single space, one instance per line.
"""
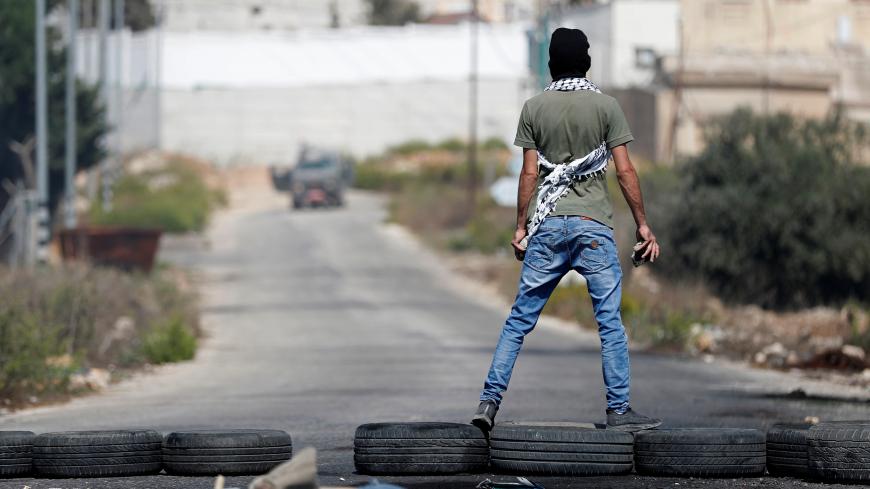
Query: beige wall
x=701 y=104
x=803 y=26
x=811 y=64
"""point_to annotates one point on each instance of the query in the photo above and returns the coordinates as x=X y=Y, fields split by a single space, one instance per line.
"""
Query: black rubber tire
x=787 y=449
x=419 y=448
x=840 y=451
x=700 y=452
x=560 y=449
x=97 y=453
x=560 y=468
x=225 y=452
x=422 y=450
x=16 y=452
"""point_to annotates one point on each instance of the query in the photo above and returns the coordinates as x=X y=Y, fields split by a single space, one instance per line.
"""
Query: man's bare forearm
x=524 y=195
x=630 y=186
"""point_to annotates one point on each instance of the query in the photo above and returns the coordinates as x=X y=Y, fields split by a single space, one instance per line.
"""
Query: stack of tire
x=16 y=453
x=700 y=452
x=97 y=453
x=228 y=452
x=560 y=449
x=419 y=448
x=840 y=451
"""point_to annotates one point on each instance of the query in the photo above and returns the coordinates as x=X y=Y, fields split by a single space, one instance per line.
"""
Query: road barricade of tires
x=227 y=452
x=837 y=451
x=560 y=449
x=419 y=448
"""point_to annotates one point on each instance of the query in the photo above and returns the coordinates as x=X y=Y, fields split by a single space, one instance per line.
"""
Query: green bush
x=175 y=199
x=374 y=176
x=409 y=147
x=775 y=212
x=494 y=144
x=25 y=347
x=452 y=144
x=487 y=232
x=171 y=341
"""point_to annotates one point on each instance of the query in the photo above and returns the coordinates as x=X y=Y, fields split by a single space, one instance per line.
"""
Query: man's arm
x=528 y=180
x=630 y=185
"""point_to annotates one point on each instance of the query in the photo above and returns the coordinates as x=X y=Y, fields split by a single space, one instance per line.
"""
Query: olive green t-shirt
x=566 y=125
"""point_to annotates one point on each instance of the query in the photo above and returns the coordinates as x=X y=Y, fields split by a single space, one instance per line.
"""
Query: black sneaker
x=484 y=418
x=630 y=421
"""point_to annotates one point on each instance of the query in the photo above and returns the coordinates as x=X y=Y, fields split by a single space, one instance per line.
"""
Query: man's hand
x=650 y=245
x=519 y=235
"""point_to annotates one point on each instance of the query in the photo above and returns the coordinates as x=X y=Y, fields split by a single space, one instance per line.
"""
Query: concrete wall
x=805 y=26
x=267 y=125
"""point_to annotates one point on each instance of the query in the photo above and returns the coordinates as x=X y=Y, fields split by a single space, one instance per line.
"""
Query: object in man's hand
x=524 y=244
x=637 y=258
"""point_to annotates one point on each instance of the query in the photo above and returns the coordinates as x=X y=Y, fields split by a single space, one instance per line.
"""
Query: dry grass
x=55 y=321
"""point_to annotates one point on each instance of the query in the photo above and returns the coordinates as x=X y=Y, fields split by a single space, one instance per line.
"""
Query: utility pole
x=70 y=160
x=768 y=42
x=678 y=93
x=158 y=77
x=105 y=166
x=42 y=217
x=119 y=84
x=472 y=110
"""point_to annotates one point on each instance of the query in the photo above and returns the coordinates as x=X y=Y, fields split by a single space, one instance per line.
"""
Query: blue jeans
x=562 y=244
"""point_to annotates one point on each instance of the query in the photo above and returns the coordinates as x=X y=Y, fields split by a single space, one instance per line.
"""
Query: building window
x=645 y=57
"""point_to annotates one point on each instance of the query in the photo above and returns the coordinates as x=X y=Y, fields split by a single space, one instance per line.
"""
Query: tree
x=775 y=212
x=138 y=15
x=392 y=12
x=18 y=107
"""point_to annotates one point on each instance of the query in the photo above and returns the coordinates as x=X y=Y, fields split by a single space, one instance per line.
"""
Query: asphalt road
x=319 y=321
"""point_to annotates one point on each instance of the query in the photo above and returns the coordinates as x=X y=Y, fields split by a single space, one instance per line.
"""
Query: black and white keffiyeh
x=563 y=175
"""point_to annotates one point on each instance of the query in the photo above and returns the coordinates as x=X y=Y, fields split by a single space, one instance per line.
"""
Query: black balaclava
x=569 y=54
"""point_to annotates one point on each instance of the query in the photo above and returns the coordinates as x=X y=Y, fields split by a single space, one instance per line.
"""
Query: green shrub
x=175 y=199
x=409 y=147
x=494 y=144
x=25 y=347
x=452 y=144
x=171 y=341
x=774 y=212
x=487 y=232
x=374 y=176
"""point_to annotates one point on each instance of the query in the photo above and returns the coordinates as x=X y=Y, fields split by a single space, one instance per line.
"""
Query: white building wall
x=255 y=97
x=596 y=21
x=617 y=29
x=652 y=24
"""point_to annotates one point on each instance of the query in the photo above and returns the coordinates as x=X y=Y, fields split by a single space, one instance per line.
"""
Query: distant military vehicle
x=319 y=179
